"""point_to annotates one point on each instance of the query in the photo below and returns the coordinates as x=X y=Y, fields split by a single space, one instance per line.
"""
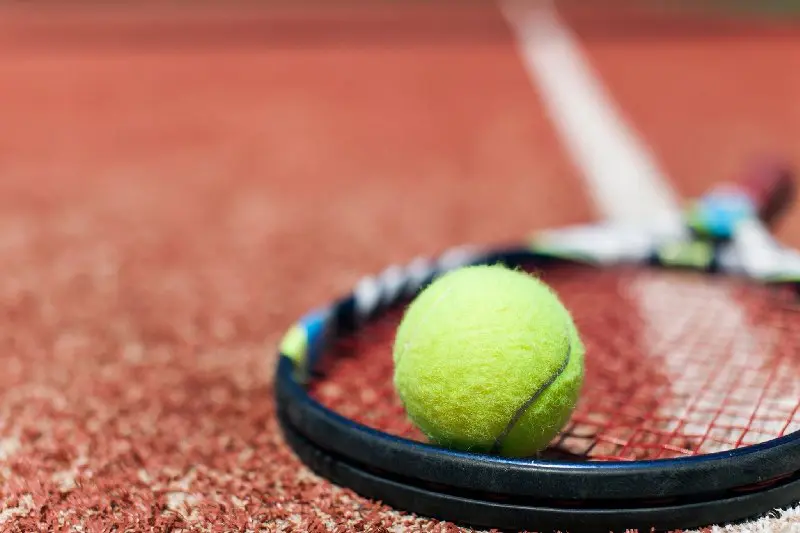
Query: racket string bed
x=677 y=365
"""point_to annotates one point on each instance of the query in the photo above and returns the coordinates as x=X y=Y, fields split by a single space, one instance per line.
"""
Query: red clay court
x=178 y=185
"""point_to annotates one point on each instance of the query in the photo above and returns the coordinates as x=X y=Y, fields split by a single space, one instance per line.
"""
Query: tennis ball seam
x=520 y=412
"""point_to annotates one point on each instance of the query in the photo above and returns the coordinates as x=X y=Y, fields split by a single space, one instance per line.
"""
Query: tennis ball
x=487 y=359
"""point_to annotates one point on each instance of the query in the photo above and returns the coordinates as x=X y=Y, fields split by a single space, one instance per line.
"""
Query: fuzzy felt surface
x=487 y=358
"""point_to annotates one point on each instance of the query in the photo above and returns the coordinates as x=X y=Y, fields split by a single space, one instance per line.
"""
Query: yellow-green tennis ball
x=488 y=359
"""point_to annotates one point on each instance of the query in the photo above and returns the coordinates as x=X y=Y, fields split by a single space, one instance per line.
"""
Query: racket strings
x=677 y=364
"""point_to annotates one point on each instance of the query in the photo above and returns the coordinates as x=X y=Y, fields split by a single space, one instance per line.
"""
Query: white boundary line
x=623 y=177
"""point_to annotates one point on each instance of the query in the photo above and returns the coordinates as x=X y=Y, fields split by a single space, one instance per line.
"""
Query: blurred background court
x=181 y=181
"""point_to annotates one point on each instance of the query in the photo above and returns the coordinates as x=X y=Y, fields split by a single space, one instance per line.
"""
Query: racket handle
x=764 y=190
x=769 y=183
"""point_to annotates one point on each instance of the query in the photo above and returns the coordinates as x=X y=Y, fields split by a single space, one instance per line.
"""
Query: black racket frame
x=495 y=492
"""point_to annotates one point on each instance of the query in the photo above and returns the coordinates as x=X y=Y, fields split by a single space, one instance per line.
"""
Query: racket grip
x=763 y=191
x=769 y=184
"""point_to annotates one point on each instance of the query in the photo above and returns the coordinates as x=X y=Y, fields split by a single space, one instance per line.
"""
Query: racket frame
x=491 y=491
x=484 y=490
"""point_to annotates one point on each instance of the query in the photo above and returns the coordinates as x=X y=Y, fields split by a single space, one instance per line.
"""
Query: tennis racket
x=690 y=411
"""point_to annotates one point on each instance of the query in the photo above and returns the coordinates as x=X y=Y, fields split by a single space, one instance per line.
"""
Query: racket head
x=623 y=429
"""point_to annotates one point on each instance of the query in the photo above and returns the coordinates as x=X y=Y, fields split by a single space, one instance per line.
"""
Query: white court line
x=621 y=175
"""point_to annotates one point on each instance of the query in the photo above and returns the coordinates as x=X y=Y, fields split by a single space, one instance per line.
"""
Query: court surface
x=177 y=187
